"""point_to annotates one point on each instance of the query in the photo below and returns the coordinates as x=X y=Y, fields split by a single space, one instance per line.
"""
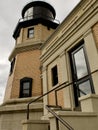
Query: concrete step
x=36 y=125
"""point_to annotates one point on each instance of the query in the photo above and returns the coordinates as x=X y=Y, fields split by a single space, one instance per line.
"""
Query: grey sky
x=10 y=12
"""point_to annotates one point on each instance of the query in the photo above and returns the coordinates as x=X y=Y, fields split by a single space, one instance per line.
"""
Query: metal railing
x=61 y=86
x=34 y=17
x=38 y=16
x=28 y=105
x=47 y=107
x=59 y=118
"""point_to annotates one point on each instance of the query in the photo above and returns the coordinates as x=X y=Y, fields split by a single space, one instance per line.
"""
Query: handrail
x=78 y=80
x=61 y=86
x=40 y=98
x=55 y=89
x=59 y=118
x=73 y=83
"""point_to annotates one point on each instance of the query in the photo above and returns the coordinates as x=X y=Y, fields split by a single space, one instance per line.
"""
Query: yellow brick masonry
x=27 y=65
x=41 y=33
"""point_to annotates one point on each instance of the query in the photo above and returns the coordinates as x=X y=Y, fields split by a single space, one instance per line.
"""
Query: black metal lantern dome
x=34 y=13
x=38 y=9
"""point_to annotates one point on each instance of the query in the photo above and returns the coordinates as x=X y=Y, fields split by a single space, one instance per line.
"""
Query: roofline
x=32 y=22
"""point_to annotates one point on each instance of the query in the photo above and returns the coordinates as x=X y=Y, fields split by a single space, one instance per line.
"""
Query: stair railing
x=59 y=118
x=61 y=86
x=28 y=105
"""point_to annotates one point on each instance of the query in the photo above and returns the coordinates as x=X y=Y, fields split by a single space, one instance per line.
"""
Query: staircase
x=62 y=119
x=36 y=125
x=45 y=124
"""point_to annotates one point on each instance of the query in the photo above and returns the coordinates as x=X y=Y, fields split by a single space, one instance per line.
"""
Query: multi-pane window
x=25 y=87
x=30 y=32
x=80 y=72
x=54 y=75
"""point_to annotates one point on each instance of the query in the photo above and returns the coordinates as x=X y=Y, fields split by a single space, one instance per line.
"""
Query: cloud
x=63 y=7
x=4 y=71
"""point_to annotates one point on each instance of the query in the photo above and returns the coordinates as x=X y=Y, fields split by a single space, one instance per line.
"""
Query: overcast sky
x=10 y=12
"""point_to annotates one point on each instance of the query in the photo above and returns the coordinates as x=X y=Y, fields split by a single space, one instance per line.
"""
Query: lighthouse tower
x=33 y=29
x=24 y=81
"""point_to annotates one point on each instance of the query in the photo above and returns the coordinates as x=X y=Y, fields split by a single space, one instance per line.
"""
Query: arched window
x=25 y=87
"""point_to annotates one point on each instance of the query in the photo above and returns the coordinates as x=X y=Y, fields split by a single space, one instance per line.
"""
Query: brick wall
x=41 y=33
x=27 y=65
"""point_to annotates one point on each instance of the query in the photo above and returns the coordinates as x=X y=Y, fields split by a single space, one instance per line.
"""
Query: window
x=80 y=72
x=12 y=66
x=30 y=32
x=25 y=87
x=54 y=76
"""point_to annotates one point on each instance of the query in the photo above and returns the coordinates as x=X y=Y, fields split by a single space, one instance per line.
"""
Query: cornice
x=23 y=47
x=76 y=20
x=19 y=101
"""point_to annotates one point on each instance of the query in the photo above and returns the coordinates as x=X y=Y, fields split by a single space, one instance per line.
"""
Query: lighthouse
x=53 y=79
x=25 y=77
x=33 y=29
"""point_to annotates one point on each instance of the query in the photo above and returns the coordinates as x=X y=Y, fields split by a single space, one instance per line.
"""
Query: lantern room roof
x=38 y=3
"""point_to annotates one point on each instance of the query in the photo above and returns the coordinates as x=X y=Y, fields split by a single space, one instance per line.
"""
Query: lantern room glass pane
x=28 y=14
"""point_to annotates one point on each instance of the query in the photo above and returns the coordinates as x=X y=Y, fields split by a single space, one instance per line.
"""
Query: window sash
x=54 y=76
x=82 y=83
x=25 y=87
x=30 y=32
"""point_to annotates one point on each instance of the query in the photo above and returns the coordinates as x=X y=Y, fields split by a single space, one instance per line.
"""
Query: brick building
x=56 y=65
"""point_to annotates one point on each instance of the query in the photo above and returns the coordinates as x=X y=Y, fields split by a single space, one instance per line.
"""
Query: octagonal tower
x=35 y=26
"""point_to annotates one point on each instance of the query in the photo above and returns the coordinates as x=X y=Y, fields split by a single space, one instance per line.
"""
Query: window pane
x=30 y=33
x=54 y=76
x=25 y=93
x=26 y=85
x=85 y=88
x=80 y=63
